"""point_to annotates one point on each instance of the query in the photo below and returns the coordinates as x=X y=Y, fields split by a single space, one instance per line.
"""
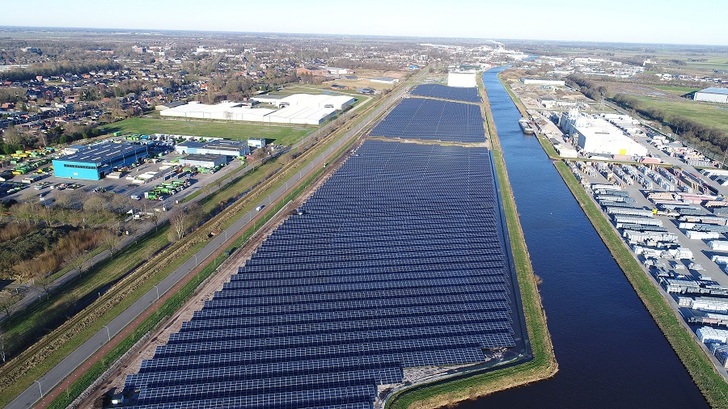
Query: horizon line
x=491 y=39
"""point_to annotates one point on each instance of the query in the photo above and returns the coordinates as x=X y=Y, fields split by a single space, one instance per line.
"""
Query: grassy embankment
x=701 y=369
x=542 y=366
x=711 y=384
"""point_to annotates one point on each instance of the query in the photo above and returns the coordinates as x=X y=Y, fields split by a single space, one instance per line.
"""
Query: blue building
x=98 y=161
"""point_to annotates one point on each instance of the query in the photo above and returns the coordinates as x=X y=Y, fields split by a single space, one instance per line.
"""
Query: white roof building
x=302 y=109
x=594 y=135
x=712 y=94
x=462 y=79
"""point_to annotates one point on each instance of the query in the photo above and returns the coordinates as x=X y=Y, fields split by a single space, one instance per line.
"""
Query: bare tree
x=43 y=281
x=110 y=241
x=6 y=303
x=27 y=212
x=178 y=220
x=75 y=259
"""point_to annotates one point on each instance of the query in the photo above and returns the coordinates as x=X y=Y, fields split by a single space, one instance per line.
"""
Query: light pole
x=157 y=288
x=40 y=388
x=108 y=332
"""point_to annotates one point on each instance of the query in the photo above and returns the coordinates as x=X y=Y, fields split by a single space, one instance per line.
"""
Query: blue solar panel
x=396 y=261
x=417 y=118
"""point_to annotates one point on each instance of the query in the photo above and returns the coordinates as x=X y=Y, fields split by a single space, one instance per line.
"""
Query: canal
x=610 y=352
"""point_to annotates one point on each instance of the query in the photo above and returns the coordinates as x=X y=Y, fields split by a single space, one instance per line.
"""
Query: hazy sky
x=650 y=21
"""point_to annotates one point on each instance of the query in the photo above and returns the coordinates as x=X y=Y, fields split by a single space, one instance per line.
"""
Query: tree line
x=690 y=130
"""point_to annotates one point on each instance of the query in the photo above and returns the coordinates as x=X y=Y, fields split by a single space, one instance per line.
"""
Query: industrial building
x=712 y=94
x=302 y=109
x=219 y=147
x=204 y=161
x=461 y=79
x=97 y=161
x=595 y=136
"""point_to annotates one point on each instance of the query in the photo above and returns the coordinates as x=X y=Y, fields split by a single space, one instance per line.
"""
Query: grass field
x=280 y=134
x=711 y=115
x=674 y=90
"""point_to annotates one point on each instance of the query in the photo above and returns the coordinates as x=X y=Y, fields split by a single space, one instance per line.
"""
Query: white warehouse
x=594 y=135
x=461 y=79
x=712 y=94
x=301 y=109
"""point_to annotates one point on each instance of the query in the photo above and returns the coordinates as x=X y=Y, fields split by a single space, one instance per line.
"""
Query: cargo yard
x=666 y=200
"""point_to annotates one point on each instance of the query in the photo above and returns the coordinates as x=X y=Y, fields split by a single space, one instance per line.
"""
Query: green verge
x=701 y=369
x=712 y=115
x=282 y=134
x=542 y=366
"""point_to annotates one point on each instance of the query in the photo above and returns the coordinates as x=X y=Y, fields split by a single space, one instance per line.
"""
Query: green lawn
x=711 y=115
x=674 y=90
x=281 y=134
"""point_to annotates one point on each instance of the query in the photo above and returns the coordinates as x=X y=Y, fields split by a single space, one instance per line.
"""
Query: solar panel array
x=396 y=261
x=419 y=118
x=445 y=92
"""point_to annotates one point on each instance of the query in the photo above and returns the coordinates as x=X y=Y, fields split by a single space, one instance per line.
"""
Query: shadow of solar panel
x=396 y=261
x=445 y=92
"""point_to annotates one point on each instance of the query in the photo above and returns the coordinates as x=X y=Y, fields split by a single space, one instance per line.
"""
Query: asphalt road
x=53 y=377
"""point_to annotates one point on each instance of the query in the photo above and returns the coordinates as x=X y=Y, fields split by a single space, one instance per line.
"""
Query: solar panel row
x=417 y=118
x=445 y=92
x=364 y=282
x=376 y=336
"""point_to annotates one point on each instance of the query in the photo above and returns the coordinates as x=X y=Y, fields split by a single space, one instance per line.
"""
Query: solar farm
x=445 y=92
x=429 y=119
x=397 y=261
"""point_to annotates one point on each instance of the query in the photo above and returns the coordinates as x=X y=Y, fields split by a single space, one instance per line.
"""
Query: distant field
x=281 y=134
x=679 y=91
x=711 y=115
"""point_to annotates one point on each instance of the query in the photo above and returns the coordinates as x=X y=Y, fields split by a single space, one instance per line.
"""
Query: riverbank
x=682 y=341
x=543 y=365
x=707 y=379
